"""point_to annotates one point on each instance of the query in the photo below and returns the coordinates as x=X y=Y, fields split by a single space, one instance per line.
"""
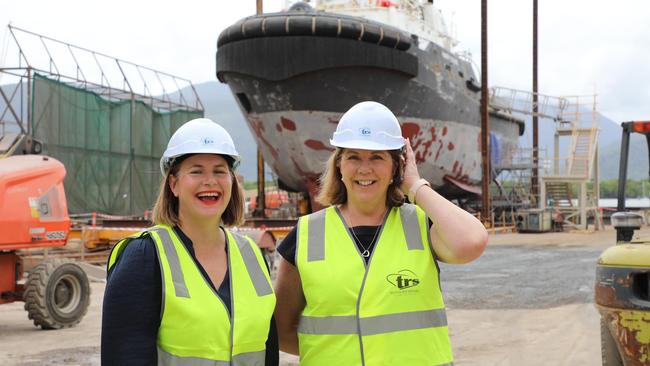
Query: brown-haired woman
x=359 y=281
x=187 y=291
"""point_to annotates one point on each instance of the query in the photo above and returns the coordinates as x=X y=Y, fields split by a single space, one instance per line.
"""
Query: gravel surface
x=515 y=277
x=78 y=356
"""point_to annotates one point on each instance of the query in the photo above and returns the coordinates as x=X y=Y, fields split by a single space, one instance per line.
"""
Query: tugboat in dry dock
x=294 y=73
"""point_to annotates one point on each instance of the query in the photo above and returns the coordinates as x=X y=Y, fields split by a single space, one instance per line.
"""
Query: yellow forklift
x=622 y=292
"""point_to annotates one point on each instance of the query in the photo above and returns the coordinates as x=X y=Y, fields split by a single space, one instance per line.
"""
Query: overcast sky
x=585 y=46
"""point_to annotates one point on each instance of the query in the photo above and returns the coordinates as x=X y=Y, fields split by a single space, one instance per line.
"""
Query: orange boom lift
x=34 y=214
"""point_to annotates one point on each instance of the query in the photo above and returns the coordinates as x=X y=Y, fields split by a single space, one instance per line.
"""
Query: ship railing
x=577 y=114
x=571 y=167
x=521 y=101
x=411 y=7
x=520 y=158
x=427 y=22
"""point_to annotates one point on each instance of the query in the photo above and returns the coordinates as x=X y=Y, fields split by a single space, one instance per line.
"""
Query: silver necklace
x=366 y=251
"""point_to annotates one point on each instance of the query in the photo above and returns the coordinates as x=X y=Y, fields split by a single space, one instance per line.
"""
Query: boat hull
x=293 y=89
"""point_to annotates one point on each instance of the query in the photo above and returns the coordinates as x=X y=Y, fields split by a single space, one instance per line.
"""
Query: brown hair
x=332 y=190
x=165 y=211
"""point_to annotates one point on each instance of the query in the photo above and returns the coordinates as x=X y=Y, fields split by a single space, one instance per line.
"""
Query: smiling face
x=203 y=186
x=366 y=175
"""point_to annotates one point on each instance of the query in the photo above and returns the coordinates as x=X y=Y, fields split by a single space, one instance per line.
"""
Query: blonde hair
x=333 y=192
x=165 y=210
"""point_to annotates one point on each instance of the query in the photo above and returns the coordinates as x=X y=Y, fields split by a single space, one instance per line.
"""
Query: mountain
x=637 y=166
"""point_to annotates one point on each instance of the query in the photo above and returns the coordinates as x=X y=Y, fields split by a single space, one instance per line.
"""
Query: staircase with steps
x=581 y=165
x=573 y=119
x=582 y=149
x=560 y=193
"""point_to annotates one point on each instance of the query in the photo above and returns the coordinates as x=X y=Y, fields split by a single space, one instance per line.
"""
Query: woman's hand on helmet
x=411 y=174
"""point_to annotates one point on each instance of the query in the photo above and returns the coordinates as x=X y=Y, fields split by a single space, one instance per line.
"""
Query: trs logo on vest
x=403 y=279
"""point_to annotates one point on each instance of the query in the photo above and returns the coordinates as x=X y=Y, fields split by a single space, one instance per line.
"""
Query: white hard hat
x=368 y=126
x=199 y=136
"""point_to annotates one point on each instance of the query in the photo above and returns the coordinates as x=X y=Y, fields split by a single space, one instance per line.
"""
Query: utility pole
x=486 y=210
x=535 y=177
x=261 y=191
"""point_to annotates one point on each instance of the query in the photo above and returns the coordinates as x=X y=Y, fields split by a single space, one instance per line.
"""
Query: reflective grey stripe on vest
x=245 y=359
x=262 y=287
x=411 y=226
x=403 y=321
x=374 y=324
x=174 y=263
x=167 y=359
x=446 y=364
x=316 y=237
x=250 y=359
x=328 y=325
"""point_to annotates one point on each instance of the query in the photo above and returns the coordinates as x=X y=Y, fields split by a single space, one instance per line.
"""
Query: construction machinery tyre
x=57 y=294
x=608 y=348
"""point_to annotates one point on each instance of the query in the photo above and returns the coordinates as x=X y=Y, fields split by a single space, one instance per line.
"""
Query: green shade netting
x=110 y=149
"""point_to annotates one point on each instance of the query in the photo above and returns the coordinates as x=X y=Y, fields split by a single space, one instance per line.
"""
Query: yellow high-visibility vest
x=196 y=328
x=389 y=312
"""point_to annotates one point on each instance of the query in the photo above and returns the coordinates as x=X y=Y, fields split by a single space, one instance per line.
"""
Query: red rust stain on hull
x=410 y=130
x=288 y=124
x=442 y=144
x=258 y=127
x=413 y=129
x=318 y=145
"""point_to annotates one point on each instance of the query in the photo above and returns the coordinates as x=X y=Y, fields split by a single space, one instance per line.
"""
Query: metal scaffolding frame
x=114 y=177
x=109 y=77
x=579 y=168
x=561 y=174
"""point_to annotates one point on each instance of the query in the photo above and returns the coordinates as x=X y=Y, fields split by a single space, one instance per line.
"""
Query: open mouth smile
x=365 y=183
x=209 y=198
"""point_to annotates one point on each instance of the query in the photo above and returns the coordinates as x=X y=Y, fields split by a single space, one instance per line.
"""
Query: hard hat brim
x=167 y=162
x=367 y=145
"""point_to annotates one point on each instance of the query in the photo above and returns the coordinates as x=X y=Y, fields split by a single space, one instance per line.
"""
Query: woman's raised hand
x=411 y=174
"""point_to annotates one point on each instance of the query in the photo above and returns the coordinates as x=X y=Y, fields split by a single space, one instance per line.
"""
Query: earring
x=391 y=181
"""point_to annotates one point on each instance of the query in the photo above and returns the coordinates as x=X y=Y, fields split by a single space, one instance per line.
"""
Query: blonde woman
x=359 y=281
x=187 y=291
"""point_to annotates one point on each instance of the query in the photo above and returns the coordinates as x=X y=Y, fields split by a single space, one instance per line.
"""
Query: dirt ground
x=567 y=334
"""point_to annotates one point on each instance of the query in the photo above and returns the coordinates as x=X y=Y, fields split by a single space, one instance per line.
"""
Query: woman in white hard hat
x=188 y=291
x=358 y=283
